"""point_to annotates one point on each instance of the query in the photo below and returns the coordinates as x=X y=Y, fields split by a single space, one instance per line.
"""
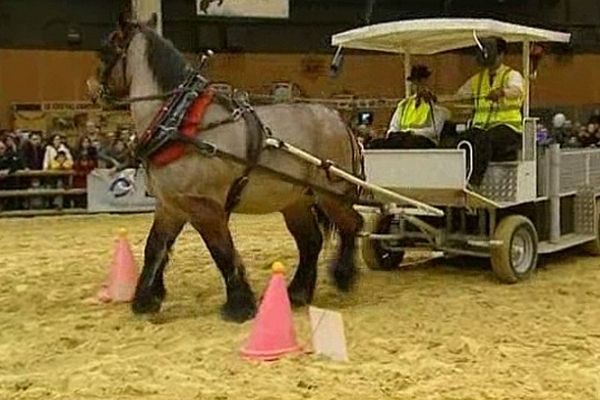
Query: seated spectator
x=119 y=153
x=86 y=160
x=595 y=138
x=558 y=133
x=33 y=152
x=86 y=156
x=572 y=140
x=61 y=162
x=9 y=159
x=587 y=135
x=22 y=135
x=12 y=143
x=584 y=136
x=52 y=149
x=9 y=163
x=595 y=117
x=93 y=132
x=543 y=137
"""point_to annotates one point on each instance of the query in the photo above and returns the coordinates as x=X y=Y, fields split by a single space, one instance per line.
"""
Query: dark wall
x=312 y=22
x=47 y=23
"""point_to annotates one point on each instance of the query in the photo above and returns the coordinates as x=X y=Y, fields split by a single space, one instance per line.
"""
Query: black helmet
x=488 y=50
x=419 y=72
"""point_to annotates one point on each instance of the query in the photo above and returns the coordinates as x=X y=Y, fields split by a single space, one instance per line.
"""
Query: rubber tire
x=376 y=258
x=500 y=255
x=593 y=247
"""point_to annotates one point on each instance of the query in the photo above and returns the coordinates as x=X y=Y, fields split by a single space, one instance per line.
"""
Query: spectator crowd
x=557 y=129
x=52 y=151
x=569 y=134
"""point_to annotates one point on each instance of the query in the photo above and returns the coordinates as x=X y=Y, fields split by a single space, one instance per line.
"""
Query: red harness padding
x=189 y=127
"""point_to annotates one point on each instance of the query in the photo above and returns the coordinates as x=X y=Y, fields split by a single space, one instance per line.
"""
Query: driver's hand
x=496 y=94
x=428 y=96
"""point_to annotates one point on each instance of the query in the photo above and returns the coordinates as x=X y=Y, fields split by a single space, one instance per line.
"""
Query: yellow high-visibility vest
x=489 y=114
x=411 y=116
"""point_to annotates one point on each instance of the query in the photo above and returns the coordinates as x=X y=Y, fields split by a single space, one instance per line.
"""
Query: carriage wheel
x=374 y=254
x=593 y=247
x=516 y=258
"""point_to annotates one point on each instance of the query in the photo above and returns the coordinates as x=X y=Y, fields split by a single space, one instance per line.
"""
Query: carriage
x=546 y=201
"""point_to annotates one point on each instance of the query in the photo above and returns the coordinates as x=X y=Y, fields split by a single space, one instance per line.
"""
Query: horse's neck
x=143 y=83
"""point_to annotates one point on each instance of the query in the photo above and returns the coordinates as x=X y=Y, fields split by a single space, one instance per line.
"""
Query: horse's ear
x=124 y=20
x=153 y=21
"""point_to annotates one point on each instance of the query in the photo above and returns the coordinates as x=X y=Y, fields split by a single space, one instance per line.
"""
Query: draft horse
x=197 y=187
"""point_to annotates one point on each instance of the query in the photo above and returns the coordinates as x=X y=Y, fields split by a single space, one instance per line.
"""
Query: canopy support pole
x=407 y=66
x=526 y=78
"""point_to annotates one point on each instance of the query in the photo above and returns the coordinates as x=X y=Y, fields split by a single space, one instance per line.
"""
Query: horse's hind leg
x=210 y=220
x=349 y=224
x=150 y=290
x=302 y=224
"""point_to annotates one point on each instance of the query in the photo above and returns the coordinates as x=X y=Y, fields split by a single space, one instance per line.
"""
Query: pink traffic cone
x=273 y=334
x=120 y=284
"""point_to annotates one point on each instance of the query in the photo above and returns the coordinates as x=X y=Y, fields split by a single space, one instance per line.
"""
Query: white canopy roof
x=435 y=35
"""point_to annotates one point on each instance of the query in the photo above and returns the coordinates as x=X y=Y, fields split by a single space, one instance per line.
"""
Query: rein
x=137 y=99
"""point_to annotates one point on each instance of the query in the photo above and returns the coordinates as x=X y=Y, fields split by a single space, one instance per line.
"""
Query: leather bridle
x=117 y=49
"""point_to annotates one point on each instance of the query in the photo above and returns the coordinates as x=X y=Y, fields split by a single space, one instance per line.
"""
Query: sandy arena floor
x=428 y=332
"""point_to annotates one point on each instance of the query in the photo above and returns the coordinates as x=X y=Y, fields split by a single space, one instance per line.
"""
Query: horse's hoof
x=160 y=292
x=147 y=304
x=238 y=312
x=344 y=278
x=240 y=305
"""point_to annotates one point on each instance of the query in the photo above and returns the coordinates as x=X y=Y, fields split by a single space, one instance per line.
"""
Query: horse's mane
x=166 y=62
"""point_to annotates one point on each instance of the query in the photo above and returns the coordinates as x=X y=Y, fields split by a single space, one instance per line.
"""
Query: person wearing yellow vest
x=416 y=122
x=497 y=92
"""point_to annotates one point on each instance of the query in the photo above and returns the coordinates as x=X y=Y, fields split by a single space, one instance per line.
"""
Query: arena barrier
x=53 y=194
x=125 y=191
x=39 y=193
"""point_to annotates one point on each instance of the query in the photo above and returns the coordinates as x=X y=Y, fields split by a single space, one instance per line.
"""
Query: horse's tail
x=326 y=225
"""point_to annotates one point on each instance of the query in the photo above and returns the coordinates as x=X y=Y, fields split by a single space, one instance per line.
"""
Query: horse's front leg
x=150 y=290
x=210 y=220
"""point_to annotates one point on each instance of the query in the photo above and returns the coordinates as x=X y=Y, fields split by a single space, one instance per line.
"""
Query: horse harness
x=165 y=129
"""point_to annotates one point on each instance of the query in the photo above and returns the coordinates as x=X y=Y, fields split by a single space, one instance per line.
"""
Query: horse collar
x=176 y=124
x=167 y=122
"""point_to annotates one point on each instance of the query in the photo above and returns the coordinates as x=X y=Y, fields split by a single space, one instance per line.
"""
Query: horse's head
x=113 y=80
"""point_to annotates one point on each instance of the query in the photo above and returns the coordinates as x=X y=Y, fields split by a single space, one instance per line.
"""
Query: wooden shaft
x=276 y=143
